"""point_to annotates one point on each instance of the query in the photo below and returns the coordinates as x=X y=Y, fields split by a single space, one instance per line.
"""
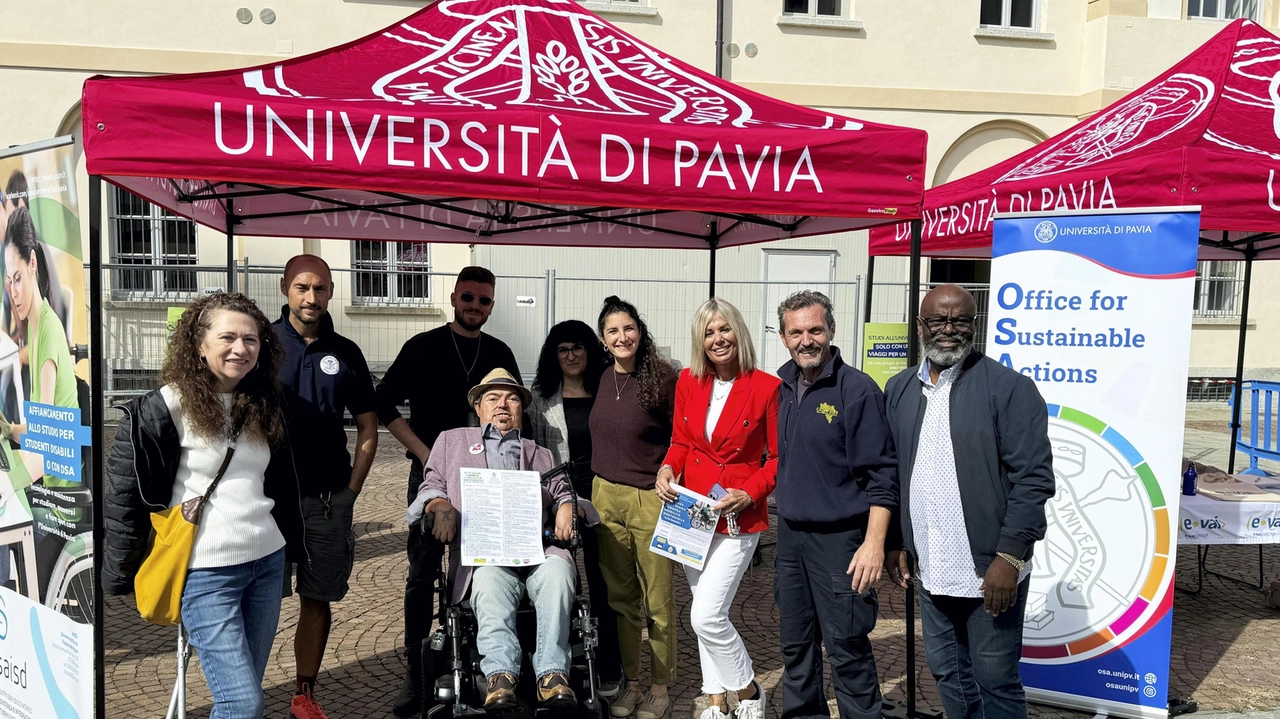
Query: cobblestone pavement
x=1224 y=638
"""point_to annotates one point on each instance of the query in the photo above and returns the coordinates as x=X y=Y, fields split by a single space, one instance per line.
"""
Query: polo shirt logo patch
x=828 y=411
x=329 y=365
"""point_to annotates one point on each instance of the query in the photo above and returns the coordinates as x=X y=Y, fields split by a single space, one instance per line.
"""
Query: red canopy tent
x=498 y=121
x=486 y=121
x=1206 y=132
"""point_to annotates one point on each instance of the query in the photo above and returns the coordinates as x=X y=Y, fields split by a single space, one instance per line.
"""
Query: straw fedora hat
x=499 y=379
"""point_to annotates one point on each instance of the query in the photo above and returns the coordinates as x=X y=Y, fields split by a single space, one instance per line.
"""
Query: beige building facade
x=985 y=78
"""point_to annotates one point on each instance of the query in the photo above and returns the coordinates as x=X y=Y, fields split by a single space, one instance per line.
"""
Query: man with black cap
x=433 y=372
x=499 y=401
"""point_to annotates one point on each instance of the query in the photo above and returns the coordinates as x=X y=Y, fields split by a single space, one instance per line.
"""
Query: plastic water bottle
x=1189 y=481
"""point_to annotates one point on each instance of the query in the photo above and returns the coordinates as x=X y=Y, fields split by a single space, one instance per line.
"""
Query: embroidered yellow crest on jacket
x=827 y=411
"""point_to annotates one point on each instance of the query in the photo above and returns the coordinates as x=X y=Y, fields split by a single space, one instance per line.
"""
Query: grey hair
x=802 y=299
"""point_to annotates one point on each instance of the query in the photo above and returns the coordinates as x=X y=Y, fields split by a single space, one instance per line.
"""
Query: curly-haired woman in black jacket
x=220 y=392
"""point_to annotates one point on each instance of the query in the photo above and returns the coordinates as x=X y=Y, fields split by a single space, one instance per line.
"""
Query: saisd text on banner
x=1096 y=308
x=46 y=507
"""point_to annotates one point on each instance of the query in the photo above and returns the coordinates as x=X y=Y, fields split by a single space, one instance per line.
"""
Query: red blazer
x=743 y=451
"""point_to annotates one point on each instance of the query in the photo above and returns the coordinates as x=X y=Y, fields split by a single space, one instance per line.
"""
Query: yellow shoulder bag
x=158 y=585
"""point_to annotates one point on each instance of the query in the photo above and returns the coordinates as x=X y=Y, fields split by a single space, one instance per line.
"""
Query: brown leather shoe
x=502 y=692
x=554 y=691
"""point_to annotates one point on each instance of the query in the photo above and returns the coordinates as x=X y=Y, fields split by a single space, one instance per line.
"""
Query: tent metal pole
x=913 y=354
x=231 y=248
x=98 y=384
x=720 y=38
x=913 y=293
x=871 y=281
x=713 y=241
x=1237 y=390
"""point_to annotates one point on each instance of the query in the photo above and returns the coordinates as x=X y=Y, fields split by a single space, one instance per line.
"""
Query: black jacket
x=1004 y=464
x=835 y=452
x=141 y=469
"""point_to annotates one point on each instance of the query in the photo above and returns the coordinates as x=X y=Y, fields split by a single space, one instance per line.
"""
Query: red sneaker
x=305 y=707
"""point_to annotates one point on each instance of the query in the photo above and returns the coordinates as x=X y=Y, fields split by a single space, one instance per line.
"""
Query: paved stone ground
x=1224 y=655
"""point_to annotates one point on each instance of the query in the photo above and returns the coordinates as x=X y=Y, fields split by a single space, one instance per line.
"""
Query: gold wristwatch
x=1018 y=564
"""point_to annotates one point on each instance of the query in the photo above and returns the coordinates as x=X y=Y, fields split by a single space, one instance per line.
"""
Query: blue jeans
x=495 y=596
x=231 y=615
x=974 y=656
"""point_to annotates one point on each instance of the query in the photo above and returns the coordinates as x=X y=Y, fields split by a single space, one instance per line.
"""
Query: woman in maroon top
x=630 y=434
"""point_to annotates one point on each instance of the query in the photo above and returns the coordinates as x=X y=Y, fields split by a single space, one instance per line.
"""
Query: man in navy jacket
x=837 y=484
x=976 y=469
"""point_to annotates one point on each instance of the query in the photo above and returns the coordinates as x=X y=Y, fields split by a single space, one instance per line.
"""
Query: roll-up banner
x=46 y=517
x=884 y=350
x=1096 y=308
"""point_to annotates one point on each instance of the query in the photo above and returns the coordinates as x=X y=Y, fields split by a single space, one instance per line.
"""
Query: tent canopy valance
x=497 y=121
x=1206 y=132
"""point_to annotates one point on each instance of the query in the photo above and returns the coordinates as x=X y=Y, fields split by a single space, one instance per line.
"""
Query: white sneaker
x=713 y=712
x=752 y=708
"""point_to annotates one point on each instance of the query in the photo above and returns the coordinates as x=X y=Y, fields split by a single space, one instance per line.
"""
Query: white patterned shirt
x=944 y=559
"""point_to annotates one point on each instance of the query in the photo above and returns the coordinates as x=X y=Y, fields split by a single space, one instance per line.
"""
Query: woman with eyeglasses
x=568 y=375
x=725 y=446
x=630 y=434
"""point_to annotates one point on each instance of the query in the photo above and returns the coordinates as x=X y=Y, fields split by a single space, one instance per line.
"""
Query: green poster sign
x=175 y=314
x=884 y=350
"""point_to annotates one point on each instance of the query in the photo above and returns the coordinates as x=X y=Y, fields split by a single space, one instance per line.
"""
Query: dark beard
x=297 y=315
x=457 y=317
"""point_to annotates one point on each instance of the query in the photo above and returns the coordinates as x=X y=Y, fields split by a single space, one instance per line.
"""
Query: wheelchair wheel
x=70 y=588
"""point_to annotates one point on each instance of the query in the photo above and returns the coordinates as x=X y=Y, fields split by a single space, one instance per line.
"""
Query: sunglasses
x=468 y=298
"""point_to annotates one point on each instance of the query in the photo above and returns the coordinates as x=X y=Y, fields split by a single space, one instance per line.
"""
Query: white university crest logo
x=329 y=365
x=493 y=59
x=1140 y=120
x=1046 y=232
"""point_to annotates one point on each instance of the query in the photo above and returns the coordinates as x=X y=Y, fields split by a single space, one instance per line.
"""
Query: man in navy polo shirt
x=837 y=484
x=323 y=374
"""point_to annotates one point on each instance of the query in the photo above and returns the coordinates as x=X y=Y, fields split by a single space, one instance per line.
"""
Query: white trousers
x=725 y=662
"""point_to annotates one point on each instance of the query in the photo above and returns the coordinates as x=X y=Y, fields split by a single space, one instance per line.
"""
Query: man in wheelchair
x=495 y=592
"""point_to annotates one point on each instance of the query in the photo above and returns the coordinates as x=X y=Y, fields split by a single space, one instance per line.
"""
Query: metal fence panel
x=667 y=307
x=889 y=304
x=136 y=333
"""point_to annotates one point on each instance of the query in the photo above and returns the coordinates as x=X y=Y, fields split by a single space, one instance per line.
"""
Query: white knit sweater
x=236 y=525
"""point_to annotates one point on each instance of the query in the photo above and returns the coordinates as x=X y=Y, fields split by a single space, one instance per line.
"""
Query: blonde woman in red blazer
x=725 y=432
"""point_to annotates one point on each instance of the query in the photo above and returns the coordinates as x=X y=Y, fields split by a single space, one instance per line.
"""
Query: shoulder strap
x=226 y=462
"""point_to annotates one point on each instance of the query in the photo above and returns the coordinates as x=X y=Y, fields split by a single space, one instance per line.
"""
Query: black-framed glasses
x=468 y=298
x=577 y=349
x=959 y=324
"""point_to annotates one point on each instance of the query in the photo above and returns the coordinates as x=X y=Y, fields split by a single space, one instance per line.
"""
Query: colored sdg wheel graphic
x=1103 y=565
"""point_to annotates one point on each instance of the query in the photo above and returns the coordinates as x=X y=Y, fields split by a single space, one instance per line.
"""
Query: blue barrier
x=1262 y=401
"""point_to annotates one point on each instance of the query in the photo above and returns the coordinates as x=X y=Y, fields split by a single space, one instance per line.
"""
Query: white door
x=786 y=272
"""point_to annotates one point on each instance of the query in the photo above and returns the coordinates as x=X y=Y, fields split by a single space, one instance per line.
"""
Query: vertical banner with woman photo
x=46 y=517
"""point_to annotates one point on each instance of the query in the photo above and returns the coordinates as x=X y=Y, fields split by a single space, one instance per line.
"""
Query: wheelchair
x=454 y=685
